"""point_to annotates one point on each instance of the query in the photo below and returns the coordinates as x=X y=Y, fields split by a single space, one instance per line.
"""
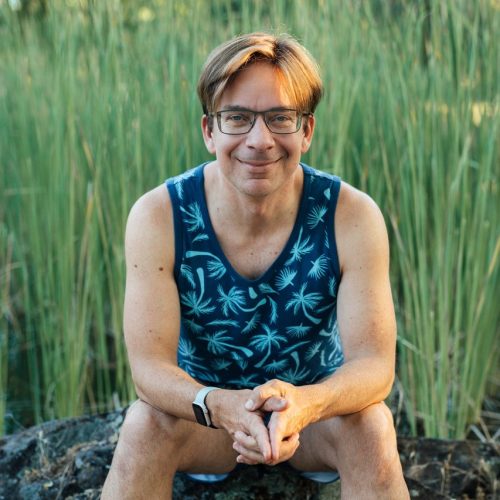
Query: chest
x=252 y=257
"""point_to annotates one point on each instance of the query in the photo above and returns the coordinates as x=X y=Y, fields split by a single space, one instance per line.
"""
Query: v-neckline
x=278 y=262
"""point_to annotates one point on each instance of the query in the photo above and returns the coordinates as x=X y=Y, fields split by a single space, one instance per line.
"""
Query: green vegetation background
x=98 y=105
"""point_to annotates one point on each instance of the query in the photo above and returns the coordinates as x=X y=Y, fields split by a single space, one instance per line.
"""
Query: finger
x=248 y=455
x=274 y=404
x=276 y=435
x=260 y=395
x=243 y=460
x=287 y=449
x=260 y=434
x=245 y=440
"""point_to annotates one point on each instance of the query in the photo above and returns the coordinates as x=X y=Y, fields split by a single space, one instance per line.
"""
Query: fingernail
x=249 y=405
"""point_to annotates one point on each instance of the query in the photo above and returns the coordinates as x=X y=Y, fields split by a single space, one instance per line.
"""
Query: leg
x=153 y=446
x=362 y=447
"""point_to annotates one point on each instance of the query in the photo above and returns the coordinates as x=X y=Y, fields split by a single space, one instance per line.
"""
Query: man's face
x=259 y=162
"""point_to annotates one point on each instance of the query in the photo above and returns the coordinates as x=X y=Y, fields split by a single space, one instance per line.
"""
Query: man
x=257 y=300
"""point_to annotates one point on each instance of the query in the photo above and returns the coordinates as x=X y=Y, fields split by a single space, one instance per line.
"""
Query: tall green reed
x=99 y=105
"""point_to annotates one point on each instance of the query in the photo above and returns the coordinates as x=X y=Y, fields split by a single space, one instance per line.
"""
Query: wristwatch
x=200 y=409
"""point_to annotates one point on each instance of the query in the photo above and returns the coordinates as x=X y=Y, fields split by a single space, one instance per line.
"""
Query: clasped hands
x=278 y=442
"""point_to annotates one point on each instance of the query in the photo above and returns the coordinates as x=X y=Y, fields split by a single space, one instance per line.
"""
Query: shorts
x=323 y=477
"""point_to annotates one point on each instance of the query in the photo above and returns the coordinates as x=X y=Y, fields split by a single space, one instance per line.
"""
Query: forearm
x=166 y=387
x=354 y=386
x=171 y=390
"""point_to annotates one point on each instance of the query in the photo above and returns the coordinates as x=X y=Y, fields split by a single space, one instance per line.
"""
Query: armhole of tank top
x=174 y=201
x=336 y=186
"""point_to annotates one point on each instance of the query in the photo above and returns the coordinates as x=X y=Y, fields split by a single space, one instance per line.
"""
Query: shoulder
x=319 y=176
x=149 y=231
x=360 y=228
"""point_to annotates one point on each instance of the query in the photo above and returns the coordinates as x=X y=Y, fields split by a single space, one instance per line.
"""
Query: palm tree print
x=252 y=323
x=332 y=335
x=234 y=300
x=304 y=301
x=187 y=351
x=298 y=331
x=244 y=381
x=266 y=341
x=295 y=346
x=197 y=306
x=285 y=278
x=274 y=310
x=319 y=267
x=224 y=322
x=239 y=332
x=220 y=364
x=188 y=274
x=313 y=350
x=316 y=216
x=265 y=288
x=332 y=286
x=194 y=217
x=296 y=375
x=276 y=366
x=192 y=325
x=215 y=266
x=218 y=343
x=179 y=180
x=200 y=237
x=299 y=249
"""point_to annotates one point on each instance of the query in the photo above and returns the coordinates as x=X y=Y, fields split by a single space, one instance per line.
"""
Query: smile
x=257 y=163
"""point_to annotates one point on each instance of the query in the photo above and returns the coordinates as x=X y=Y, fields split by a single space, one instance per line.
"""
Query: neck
x=254 y=215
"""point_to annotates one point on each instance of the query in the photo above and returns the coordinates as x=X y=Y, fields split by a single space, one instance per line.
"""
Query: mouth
x=257 y=163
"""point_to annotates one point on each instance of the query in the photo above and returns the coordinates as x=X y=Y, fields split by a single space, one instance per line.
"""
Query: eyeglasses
x=240 y=121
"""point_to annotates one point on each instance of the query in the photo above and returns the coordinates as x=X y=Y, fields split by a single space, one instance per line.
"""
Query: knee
x=376 y=422
x=376 y=429
x=144 y=425
x=370 y=440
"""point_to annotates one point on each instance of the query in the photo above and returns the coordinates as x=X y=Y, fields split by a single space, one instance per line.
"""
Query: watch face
x=198 y=413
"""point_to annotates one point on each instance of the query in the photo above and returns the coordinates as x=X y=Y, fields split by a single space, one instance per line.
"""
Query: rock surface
x=70 y=459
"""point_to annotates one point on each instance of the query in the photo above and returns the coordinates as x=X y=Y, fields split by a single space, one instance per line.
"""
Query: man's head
x=295 y=67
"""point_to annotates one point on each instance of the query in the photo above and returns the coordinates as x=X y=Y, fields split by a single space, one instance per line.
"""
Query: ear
x=308 y=130
x=207 y=131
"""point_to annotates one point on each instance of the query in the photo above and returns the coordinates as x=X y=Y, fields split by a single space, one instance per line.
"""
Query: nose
x=260 y=137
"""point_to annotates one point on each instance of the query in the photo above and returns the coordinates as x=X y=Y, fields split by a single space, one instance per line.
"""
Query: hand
x=286 y=422
x=228 y=412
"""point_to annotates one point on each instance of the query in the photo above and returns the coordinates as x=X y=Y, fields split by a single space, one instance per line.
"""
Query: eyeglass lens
x=284 y=121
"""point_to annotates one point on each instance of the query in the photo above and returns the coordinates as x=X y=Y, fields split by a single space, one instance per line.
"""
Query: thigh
x=206 y=450
x=316 y=451
x=342 y=441
x=190 y=446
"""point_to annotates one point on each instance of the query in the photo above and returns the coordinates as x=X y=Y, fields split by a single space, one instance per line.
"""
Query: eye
x=281 y=118
x=236 y=117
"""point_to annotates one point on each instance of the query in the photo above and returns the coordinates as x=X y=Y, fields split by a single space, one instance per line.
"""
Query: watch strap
x=199 y=401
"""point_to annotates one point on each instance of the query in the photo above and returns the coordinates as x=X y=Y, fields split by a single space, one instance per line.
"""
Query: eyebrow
x=235 y=107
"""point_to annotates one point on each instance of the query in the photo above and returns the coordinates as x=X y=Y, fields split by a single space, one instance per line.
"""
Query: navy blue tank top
x=239 y=333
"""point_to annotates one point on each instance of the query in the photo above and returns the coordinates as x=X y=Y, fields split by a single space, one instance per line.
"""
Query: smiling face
x=259 y=162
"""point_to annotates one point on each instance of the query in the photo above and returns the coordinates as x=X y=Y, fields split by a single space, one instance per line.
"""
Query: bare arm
x=152 y=325
x=366 y=323
x=152 y=311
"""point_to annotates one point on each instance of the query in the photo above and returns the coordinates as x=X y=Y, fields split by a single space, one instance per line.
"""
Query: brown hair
x=294 y=64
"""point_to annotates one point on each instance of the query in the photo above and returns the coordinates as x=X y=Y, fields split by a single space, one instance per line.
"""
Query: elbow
x=387 y=384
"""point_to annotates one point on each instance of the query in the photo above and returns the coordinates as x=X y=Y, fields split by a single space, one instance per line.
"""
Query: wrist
x=215 y=403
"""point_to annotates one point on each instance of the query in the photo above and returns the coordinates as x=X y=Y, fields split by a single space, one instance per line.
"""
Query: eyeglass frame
x=217 y=114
